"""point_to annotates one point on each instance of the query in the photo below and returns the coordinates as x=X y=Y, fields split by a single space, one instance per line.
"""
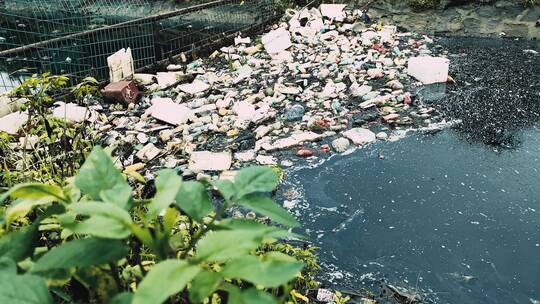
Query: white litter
x=167 y=110
x=148 y=152
x=276 y=41
x=428 y=70
x=239 y=40
x=209 y=161
x=195 y=87
x=11 y=123
x=333 y=11
x=72 y=112
x=121 y=65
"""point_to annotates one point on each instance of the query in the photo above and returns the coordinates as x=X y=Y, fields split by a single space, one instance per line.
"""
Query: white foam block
x=429 y=69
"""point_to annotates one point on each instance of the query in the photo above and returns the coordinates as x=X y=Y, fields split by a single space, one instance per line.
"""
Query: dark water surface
x=454 y=215
x=458 y=222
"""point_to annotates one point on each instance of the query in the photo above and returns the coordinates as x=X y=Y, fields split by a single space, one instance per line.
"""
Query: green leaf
x=255 y=179
x=273 y=270
x=203 y=285
x=106 y=220
x=253 y=295
x=20 y=244
x=81 y=253
x=7 y=265
x=23 y=289
x=226 y=244
x=165 y=279
x=167 y=186
x=119 y=195
x=194 y=200
x=226 y=188
x=21 y=207
x=271 y=231
x=35 y=191
x=267 y=207
x=98 y=174
x=122 y=298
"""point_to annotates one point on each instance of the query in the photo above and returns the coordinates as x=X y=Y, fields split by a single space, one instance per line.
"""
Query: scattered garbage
x=167 y=110
x=9 y=105
x=125 y=92
x=276 y=41
x=73 y=113
x=428 y=69
x=208 y=161
x=322 y=80
x=11 y=123
x=121 y=65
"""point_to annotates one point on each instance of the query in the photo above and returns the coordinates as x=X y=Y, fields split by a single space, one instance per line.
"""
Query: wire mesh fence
x=75 y=37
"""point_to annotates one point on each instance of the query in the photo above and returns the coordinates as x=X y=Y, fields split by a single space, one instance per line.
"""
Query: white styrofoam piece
x=428 y=69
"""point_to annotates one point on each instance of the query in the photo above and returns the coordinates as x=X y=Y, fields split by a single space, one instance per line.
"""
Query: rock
x=361 y=91
x=261 y=131
x=289 y=90
x=295 y=113
x=292 y=141
x=390 y=117
x=148 y=152
x=382 y=135
x=73 y=113
x=304 y=152
x=394 y=85
x=197 y=86
x=125 y=92
x=276 y=41
x=366 y=116
x=360 y=136
x=209 y=161
x=11 y=123
x=375 y=73
x=167 y=110
x=341 y=145
x=428 y=70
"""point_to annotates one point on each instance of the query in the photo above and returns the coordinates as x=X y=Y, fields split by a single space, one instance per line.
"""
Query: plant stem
x=114 y=272
x=204 y=230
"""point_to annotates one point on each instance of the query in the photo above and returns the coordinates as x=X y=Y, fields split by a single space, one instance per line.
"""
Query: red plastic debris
x=125 y=92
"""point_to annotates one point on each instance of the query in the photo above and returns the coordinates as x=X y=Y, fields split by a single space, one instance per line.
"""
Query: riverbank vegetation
x=94 y=241
x=74 y=229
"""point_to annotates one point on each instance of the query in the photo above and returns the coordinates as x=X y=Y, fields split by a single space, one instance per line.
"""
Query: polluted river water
x=453 y=216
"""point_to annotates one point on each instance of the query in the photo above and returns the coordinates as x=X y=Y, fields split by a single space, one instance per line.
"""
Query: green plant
x=41 y=90
x=52 y=149
x=87 y=88
x=93 y=241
